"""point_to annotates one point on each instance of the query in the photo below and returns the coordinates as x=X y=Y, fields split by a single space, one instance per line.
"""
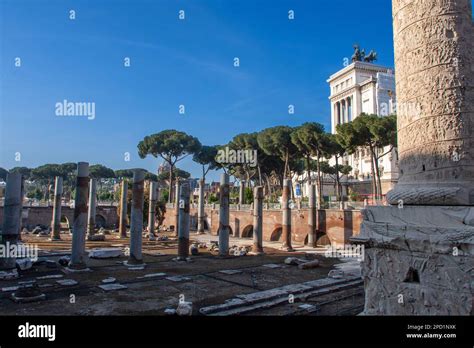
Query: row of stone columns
x=84 y=215
x=83 y=223
x=343 y=110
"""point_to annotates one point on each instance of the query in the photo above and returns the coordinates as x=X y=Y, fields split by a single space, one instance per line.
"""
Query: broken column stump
x=136 y=225
x=80 y=218
x=183 y=232
x=258 y=221
x=286 y=214
x=56 y=219
x=224 y=216
x=123 y=210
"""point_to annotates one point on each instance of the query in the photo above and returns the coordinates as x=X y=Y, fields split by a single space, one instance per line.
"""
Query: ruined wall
x=338 y=225
x=33 y=216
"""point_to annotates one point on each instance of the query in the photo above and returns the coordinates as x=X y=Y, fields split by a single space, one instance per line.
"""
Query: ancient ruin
x=419 y=256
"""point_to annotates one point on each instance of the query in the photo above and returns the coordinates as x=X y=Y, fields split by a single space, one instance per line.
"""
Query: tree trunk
x=170 y=199
x=372 y=168
x=338 y=183
x=285 y=173
x=308 y=169
x=320 y=181
x=379 y=181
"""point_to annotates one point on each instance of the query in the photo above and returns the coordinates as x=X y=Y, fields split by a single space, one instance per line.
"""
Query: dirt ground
x=203 y=284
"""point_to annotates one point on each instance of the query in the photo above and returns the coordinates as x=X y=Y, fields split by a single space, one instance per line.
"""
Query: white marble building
x=367 y=88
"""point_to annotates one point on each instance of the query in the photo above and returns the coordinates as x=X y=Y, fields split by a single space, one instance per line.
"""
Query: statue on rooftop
x=371 y=57
x=359 y=55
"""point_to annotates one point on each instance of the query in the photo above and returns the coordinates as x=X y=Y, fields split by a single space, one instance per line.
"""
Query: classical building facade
x=363 y=87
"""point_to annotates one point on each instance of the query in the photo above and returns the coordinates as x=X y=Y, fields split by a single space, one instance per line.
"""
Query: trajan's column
x=419 y=256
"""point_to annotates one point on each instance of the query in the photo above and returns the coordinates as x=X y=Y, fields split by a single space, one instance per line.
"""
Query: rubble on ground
x=105 y=253
x=194 y=249
x=64 y=260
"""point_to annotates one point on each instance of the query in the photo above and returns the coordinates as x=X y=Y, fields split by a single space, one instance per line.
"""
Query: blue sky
x=173 y=62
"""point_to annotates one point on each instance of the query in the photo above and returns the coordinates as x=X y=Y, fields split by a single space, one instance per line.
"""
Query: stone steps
x=246 y=303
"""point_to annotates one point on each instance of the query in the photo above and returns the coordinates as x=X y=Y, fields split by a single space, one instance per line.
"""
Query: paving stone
x=105 y=253
x=230 y=271
x=47 y=285
x=112 y=287
x=178 y=278
x=51 y=276
x=152 y=275
x=67 y=282
x=272 y=265
x=306 y=306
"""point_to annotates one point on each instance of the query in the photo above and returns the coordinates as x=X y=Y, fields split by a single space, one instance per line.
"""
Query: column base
x=428 y=194
x=133 y=262
x=419 y=260
x=77 y=268
x=28 y=293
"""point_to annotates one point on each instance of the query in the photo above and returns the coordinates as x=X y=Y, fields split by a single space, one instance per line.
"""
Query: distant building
x=361 y=87
x=367 y=88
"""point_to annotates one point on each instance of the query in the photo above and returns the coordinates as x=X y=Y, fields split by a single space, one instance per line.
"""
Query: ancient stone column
x=151 y=209
x=136 y=217
x=79 y=226
x=286 y=214
x=434 y=65
x=183 y=232
x=242 y=193
x=200 y=229
x=56 y=220
x=419 y=256
x=11 y=217
x=123 y=210
x=176 y=208
x=312 y=216
x=258 y=220
x=92 y=208
x=224 y=216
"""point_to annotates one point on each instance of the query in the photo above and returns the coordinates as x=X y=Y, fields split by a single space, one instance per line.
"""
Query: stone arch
x=64 y=223
x=100 y=221
x=247 y=232
x=195 y=224
x=322 y=239
x=276 y=234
